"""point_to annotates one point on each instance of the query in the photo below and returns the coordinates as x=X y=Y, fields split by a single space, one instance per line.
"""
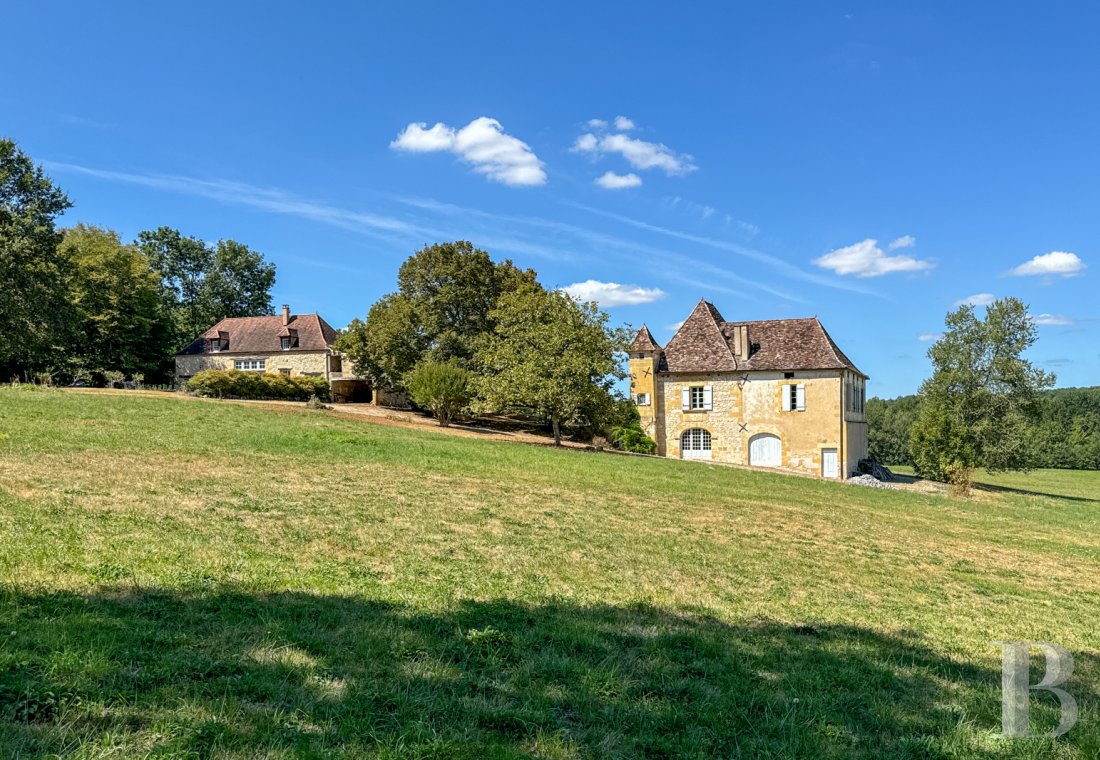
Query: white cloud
x=675 y=326
x=905 y=241
x=482 y=143
x=1051 y=319
x=1056 y=262
x=612 y=293
x=613 y=181
x=638 y=153
x=866 y=259
x=926 y=337
x=597 y=124
x=978 y=299
x=623 y=124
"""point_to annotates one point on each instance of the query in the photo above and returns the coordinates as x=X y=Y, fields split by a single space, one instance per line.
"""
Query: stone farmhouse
x=293 y=344
x=775 y=393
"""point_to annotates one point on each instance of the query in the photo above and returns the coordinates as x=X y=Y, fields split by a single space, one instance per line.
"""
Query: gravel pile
x=867 y=480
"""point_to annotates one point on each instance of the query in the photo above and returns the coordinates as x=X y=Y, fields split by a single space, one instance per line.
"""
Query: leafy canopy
x=977 y=408
x=34 y=316
x=444 y=301
x=121 y=321
x=549 y=355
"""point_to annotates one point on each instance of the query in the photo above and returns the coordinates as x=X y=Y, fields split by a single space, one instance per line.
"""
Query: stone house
x=292 y=344
x=774 y=393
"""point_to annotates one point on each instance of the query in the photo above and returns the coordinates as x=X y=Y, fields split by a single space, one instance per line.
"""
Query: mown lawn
x=188 y=578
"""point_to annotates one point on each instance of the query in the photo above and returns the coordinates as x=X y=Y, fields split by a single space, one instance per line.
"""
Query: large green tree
x=122 y=322
x=444 y=301
x=978 y=407
x=34 y=316
x=205 y=284
x=549 y=355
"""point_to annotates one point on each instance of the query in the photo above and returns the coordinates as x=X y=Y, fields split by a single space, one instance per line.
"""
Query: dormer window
x=284 y=344
x=216 y=345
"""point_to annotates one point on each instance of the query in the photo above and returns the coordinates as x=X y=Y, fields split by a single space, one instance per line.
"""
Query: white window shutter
x=708 y=397
x=786 y=398
x=685 y=397
x=801 y=400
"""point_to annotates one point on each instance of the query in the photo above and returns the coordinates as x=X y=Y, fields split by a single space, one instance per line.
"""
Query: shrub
x=444 y=389
x=634 y=440
x=220 y=383
x=114 y=378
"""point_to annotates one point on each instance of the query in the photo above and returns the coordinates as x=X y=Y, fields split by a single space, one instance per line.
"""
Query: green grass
x=185 y=578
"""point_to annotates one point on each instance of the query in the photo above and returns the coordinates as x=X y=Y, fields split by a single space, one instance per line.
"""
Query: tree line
x=81 y=303
x=1066 y=434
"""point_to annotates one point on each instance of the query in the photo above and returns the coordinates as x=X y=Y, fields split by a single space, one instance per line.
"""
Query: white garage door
x=765 y=451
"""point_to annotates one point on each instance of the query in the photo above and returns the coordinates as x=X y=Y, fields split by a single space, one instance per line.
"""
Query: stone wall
x=298 y=362
x=745 y=404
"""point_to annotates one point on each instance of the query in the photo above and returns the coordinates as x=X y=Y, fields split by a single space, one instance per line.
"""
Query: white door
x=765 y=451
x=829 y=467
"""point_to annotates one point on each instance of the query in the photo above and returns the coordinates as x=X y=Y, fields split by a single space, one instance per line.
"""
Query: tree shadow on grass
x=230 y=673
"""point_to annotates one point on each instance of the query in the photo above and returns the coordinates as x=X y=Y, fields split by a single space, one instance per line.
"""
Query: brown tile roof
x=776 y=345
x=260 y=335
x=644 y=341
x=699 y=345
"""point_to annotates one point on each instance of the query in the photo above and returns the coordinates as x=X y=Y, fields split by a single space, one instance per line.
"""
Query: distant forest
x=1066 y=437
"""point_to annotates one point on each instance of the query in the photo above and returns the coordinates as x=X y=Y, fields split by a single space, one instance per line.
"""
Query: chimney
x=746 y=348
x=286 y=314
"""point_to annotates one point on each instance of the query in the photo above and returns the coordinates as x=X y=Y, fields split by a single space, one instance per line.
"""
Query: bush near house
x=634 y=440
x=218 y=383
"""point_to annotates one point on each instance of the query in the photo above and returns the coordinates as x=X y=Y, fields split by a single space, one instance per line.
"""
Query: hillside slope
x=216 y=580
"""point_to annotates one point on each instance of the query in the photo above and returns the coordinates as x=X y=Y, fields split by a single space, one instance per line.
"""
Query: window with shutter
x=800 y=397
x=708 y=398
x=786 y=394
x=685 y=399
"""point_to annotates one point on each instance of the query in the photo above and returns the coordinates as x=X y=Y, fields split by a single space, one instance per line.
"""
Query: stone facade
x=317 y=363
x=758 y=392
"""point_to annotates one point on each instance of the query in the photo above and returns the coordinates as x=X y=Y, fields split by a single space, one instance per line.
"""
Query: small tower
x=645 y=359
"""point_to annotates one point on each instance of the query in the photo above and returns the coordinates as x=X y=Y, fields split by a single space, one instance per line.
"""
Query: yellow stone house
x=290 y=344
x=773 y=393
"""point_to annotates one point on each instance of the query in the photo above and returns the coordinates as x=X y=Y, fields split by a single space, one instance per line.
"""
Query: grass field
x=189 y=578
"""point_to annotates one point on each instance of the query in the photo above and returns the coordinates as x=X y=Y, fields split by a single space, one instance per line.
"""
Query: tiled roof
x=260 y=335
x=775 y=345
x=699 y=345
x=644 y=341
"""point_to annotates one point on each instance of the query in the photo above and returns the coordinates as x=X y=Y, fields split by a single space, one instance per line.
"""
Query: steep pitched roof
x=260 y=335
x=790 y=344
x=644 y=341
x=704 y=343
x=699 y=345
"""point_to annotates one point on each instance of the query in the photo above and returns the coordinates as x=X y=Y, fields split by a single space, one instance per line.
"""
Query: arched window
x=695 y=444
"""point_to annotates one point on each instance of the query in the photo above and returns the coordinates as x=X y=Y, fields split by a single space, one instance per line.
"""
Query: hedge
x=220 y=383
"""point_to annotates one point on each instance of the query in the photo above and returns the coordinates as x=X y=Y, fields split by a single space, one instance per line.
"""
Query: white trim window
x=250 y=365
x=695 y=443
x=284 y=344
x=215 y=345
x=641 y=399
x=697 y=398
x=794 y=397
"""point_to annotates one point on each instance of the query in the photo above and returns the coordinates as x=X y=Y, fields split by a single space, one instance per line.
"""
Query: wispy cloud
x=1051 y=319
x=482 y=143
x=613 y=181
x=613 y=293
x=978 y=299
x=775 y=263
x=866 y=259
x=905 y=241
x=1061 y=263
x=926 y=337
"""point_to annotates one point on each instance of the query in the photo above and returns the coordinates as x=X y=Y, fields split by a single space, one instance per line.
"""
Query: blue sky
x=869 y=163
